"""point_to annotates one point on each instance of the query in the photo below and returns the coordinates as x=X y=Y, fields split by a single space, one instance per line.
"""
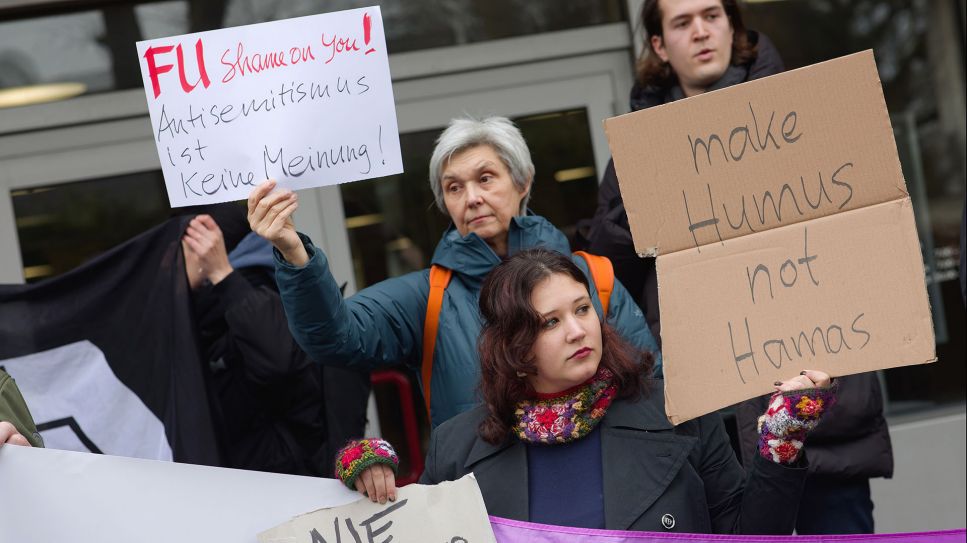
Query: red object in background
x=411 y=429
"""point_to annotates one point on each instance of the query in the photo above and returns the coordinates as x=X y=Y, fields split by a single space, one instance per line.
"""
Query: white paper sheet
x=306 y=101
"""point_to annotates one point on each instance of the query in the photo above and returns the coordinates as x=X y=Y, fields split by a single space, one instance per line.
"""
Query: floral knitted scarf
x=568 y=415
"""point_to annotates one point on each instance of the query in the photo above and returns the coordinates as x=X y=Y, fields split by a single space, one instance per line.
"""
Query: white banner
x=305 y=101
x=49 y=495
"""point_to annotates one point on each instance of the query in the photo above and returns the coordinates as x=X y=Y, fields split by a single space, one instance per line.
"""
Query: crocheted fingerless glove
x=789 y=417
x=353 y=459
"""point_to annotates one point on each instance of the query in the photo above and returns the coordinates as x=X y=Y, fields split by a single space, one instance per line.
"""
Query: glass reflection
x=96 y=47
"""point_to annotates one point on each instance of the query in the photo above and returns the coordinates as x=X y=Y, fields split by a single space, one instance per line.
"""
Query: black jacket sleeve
x=853 y=439
x=764 y=502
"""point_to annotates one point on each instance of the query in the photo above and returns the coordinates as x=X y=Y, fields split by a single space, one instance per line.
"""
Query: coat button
x=668 y=521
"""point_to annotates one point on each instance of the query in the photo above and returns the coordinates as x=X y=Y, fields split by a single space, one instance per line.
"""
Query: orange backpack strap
x=439 y=279
x=603 y=274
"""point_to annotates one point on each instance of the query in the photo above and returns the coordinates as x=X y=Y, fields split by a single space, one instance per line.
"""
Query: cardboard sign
x=450 y=512
x=305 y=101
x=784 y=234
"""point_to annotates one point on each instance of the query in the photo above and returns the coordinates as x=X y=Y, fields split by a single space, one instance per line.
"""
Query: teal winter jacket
x=382 y=325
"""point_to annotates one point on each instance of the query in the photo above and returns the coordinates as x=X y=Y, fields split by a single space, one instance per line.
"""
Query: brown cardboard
x=842 y=261
x=840 y=125
x=857 y=277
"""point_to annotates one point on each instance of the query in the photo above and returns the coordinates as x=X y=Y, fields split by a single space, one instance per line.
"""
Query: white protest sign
x=305 y=101
x=450 y=512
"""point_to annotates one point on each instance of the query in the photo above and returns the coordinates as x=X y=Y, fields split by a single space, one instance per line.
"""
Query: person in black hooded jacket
x=695 y=46
x=275 y=409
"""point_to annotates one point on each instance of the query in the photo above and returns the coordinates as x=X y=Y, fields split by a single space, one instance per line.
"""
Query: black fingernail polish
x=803 y=372
x=777 y=383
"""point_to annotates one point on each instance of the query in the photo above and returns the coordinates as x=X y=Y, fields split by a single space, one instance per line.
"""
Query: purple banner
x=515 y=531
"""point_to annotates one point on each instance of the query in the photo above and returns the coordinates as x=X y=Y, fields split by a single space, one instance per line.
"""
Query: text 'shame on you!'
x=305 y=101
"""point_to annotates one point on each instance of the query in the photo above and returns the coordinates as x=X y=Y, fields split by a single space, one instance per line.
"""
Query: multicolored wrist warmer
x=353 y=459
x=789 y=417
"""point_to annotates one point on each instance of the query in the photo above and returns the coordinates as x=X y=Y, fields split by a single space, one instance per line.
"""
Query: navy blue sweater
x=565 y=483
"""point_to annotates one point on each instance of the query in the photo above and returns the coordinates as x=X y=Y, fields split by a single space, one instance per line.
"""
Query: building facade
x=81 y=174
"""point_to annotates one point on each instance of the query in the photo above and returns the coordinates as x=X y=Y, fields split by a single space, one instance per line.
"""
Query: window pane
x=95 y=47
x=62 y=226
x=62 y=48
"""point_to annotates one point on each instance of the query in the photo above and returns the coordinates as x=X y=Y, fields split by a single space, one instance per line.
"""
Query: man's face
x=696 y=42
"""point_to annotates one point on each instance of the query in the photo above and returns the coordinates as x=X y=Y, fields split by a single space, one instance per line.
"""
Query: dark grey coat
x=650 y=469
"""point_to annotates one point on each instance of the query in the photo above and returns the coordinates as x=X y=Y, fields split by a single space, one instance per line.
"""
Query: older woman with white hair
x=481 y=174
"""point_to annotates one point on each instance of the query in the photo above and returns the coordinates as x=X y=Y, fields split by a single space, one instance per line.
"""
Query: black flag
x=106 y=357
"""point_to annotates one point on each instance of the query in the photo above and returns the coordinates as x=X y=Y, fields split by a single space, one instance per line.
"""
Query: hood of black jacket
x=767 y=62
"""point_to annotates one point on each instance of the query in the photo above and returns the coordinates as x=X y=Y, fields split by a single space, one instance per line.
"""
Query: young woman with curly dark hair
x=572 y=430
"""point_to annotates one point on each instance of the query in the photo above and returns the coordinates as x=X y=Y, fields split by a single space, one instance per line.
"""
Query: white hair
x=500 y=134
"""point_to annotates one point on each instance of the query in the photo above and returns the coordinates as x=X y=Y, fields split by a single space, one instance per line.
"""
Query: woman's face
x=480 y=195
x=567 y=350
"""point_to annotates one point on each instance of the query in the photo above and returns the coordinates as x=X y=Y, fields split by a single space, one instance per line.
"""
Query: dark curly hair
x=652 y=71
x=511 y=326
